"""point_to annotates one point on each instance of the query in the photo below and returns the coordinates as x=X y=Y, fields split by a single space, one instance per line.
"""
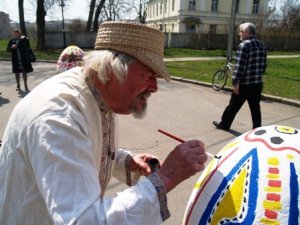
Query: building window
x=165 y=27
x=237 y=6
x=157 y=10
x=161 y=27
x=190 y=28
x=192 y=5
x=255 y=6
x=172 y=27
x=173 y=5
x=165 y=6
x=214 y=5
x=160 y=8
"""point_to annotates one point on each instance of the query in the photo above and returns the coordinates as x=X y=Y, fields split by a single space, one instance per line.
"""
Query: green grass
x=185 y=52
x=282 y=77
x=196 y=70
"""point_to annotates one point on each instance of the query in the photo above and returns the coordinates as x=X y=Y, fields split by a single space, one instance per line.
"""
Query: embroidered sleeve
x=131 y=177
x=161 y=194
x=127 y=169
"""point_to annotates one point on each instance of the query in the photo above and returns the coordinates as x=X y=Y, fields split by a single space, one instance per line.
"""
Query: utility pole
x=62 y=5
x=231 y=29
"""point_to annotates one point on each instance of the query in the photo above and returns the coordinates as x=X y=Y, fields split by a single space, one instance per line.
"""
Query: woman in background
x=19 y=47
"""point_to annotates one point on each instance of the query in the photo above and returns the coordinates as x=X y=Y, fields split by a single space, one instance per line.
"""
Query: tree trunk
x=97 y=14
x=91 y=14
x=40 y=22
x=21 y=17
x=142 y=12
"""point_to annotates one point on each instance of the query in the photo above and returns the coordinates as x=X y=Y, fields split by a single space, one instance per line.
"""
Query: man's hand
x=184 y=161
x=14 y=46
x=139 y=163
x=236 y=89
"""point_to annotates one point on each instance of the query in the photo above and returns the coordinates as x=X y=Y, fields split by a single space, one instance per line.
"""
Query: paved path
x=183 y=109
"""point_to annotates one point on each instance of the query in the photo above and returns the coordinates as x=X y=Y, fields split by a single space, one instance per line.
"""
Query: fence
x=86 y=40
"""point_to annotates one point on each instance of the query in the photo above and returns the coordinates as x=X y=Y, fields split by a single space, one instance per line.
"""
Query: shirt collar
x=104 y=107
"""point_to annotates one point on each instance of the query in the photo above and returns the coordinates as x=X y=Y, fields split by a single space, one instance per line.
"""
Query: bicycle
x=220 y=77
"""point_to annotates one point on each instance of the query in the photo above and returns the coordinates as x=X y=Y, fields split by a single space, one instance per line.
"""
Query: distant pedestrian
x=19 y=47
x=247 y=79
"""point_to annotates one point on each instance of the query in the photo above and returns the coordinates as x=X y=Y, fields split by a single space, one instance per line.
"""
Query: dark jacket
x=19 y=56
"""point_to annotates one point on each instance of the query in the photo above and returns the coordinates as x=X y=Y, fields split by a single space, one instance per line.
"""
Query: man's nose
x=152 y=86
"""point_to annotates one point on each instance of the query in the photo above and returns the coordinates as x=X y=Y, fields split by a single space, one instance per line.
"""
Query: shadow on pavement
x=3 y=101
x=22 y=94
x=235 y=133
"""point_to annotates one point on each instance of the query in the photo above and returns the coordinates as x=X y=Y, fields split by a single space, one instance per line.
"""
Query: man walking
x=247 y=79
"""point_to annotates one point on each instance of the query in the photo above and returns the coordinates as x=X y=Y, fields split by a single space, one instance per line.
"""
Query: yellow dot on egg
x=273 y=161
x=290 y=156
x=286 y=130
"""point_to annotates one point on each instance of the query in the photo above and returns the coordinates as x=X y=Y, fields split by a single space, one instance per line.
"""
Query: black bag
x=31 y=55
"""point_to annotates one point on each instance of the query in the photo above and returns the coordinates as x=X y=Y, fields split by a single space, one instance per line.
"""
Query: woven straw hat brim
x=149 y=59
x=144 y=43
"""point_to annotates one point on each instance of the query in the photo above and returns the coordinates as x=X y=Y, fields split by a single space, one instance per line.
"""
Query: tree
x=97 y=14
x=142 y=12
x=21 y=17
x=290 y=19
x=263 y=19
x=76 y=25
x=115 y=9
x=40 y=22
x=41 y=11
x=91 y=14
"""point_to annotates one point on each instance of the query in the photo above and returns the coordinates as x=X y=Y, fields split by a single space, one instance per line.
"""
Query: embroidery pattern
x=108 y=135
x=161 y=194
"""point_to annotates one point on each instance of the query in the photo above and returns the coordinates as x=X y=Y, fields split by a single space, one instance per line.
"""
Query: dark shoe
x=219 y=126
x=26 y=89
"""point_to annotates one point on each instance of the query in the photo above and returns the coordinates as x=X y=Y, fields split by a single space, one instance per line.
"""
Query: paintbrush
x=182 y=141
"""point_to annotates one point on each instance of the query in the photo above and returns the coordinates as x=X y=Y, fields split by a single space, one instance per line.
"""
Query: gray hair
x=249 y=27
x=107 y=61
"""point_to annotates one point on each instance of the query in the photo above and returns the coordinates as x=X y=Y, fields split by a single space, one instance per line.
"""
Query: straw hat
x=144 y=43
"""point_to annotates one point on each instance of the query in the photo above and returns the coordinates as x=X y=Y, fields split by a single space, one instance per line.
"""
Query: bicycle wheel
x=219 y=79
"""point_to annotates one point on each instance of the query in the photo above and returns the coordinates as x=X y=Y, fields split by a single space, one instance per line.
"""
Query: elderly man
x=59 y=152
x=247 y=78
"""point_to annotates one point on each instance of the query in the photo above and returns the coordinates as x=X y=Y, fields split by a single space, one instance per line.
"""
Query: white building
x=201 y=16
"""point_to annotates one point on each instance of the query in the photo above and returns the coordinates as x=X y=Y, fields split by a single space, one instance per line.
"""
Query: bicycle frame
x=220 y=77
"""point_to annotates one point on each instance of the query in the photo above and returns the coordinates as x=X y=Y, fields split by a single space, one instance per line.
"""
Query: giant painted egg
x=255 y=180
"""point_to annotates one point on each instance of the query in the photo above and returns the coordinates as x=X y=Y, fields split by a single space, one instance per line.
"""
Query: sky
x=74 y=9
x=77 y=10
